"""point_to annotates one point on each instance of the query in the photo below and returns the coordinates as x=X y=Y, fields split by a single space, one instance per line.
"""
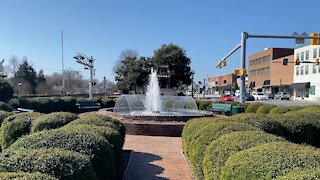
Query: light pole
x=19 y=85
x=88 y=63
x=192 y=76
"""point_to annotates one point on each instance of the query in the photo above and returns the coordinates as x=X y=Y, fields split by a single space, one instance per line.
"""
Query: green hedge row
x=218 y=152
x=48 y=105
x=201 y=137
x=269 y=161
x=59 y=163
x=304 y=174
x=25 y=176
x=98 y=137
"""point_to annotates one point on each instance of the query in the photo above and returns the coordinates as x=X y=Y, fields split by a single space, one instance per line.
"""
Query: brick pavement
x=156 y=157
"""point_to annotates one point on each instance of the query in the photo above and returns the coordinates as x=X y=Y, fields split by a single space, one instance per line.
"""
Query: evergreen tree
x=27 y=75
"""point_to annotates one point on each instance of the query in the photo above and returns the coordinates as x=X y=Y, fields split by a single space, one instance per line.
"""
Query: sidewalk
x=156 y=157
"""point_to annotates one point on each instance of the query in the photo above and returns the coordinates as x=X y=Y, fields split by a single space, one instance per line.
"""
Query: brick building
x=271 y=70
x=222 y=84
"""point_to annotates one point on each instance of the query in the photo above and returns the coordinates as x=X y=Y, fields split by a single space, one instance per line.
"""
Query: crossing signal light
x=317 y=61
x=297 y=62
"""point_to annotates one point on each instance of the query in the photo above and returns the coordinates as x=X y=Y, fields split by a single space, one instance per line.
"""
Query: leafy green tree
x=132 y=74
x=6 y=90
x=41 y=83
x=179 y=64
x=27 y=75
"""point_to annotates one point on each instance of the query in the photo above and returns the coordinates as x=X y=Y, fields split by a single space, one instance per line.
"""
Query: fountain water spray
x=153 y=97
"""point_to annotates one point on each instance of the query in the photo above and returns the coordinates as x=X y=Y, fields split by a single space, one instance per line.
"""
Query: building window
x=307 y=69
x=302 y=70
x=298 y=56
x=225 y=81
x=307 y=55
x=314 y=53
x=312 y=90
x=302 y=56
x=314 y=69
x=285 y=62
x=297 y=71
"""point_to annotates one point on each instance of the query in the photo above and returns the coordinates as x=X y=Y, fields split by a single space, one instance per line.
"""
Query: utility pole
x=192 y=75
x=204 y=88
x=63 y=78
x=104 y=87
x=88 y=63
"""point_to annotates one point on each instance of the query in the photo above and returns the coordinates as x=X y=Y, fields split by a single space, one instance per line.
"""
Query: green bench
x=88 y=105
x=226 y=109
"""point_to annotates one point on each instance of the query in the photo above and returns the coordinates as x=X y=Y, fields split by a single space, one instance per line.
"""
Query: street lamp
x=192 y=76
x=19 y=85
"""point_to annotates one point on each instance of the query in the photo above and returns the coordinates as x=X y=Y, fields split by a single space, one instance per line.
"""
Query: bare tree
x=124 y=55
x=13 y=66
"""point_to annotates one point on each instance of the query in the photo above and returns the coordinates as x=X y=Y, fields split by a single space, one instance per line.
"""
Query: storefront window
x=312 y=90
x=302 y=70
x=307 y=69
x=314 y=69
x=297 y=71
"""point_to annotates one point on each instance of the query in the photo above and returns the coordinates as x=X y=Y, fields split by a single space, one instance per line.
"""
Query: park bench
x=88 y=105
x=24 y=110
x=226 y=109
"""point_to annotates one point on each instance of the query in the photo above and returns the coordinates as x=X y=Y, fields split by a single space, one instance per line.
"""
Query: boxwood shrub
x=219 y=150
x=102 y=120
x=203 y=104
x=5 y=107
x=113 y=136
x=252 y=107
x=279 y=110
x=295 y=108
x=25 y=176
x=265 y=109
x=20 y=103
x=4 y=114
x=264 y=122
x=304 y=174
x=204 y=136
x=95 y=146
x=56 y=162
x=195 y=124
x=52 y=121
x=16 y=126
x=41 y=104
x=269 y=161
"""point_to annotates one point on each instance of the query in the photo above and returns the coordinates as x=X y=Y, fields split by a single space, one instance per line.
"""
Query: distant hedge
x=56 y=162
x=218 y=152
x=3 y=115
x=304 y=174
x=52 y=121
x=279 y=110
x=269 y=161
x=204 y=136
x=5 y=107
x=265 y=109
x=86 y=142
x=26 y=176
x=252 y=107
x=16 y=126
x=264 y=122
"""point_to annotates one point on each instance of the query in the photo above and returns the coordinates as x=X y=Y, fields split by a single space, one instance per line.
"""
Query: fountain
x=153 y=106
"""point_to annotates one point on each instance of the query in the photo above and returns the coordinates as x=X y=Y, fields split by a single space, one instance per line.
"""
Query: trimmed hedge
x=303 y=174
x=110 y=134
x=5 y=107
x=57 y=162
x=265 y=109
x=194 y=125
x=106 y=102
x=203 y=104
x=26 y=176
x=252 y=107
x=16 y=126
x=266 y=123
x=4 y=114
x=219 y=150
x=279 y=110
x=52 y=121
x=88 y=143
x=295 y=108
x=204 y=136
x=102 y=120
x=269 y=161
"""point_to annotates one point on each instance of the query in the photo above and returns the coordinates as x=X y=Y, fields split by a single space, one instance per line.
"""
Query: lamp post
x=192 y=76
x=19 y=85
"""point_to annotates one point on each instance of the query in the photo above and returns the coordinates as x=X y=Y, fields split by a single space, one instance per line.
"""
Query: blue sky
x=206 y=29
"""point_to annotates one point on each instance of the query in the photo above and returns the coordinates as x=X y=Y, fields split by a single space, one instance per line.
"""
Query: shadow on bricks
x=141 y=167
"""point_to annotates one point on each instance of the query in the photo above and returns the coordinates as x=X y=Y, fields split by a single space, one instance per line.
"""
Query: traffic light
x=315 y=41
x=240 y=72
x=317 y=61
x=224 y=63
x=297 y=62
x=94 y=83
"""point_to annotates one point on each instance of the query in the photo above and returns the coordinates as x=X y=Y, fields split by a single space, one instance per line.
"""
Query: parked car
x=259 y=96
x=282 y=95
x=269 y=95
x=248 y=97
x=226 y=97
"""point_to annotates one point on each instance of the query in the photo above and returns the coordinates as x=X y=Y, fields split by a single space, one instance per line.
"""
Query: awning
x=266 y=83
x=305 y=85
x=252 y=85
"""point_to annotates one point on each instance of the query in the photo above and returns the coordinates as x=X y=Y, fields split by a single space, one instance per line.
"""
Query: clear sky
x=206 y=29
